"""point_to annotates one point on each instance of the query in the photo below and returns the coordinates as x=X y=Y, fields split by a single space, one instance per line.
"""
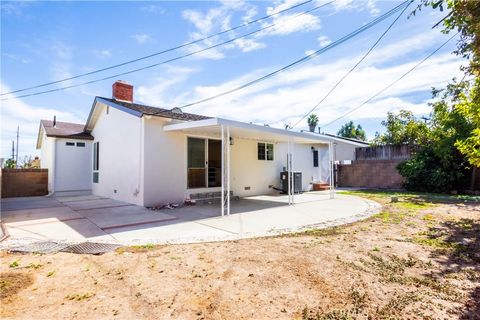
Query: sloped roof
x=159 y=112
x=65 y=130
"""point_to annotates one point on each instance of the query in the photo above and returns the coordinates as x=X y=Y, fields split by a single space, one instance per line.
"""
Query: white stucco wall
x=47 y=159
x=73 y=165
x=121 y=155
x=165 y=164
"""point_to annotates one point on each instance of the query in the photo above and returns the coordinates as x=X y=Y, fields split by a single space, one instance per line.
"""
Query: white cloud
x=309 y=52
x=62 y=50
x=159 y=91
x=219 y=19
x=296 y=91
x=324 y=41
x=357 y=5
x=152 y=8
x=247 y=45
x=286 y=24
x=17 y=112
x=17 y=58
x=104 y=53
x=142 y=38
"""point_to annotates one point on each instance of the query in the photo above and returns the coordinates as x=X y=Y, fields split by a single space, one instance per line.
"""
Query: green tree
x=9 y=163
x=469 y=107
x=403 y=129
x=439 y=166
x=349 y=130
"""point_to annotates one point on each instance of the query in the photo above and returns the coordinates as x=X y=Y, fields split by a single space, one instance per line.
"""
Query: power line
x=172 y=59
x=304 y=59
x=391 y=84
x=354 y=67
x=163 y=51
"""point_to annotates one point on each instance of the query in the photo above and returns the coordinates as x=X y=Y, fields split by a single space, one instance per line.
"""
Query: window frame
x=80 y=144
x=315 y=158
x=267 y=154
x=96 y=162
x=70 y=144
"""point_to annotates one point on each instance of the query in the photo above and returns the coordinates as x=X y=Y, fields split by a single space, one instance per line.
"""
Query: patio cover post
x=223 y=171
x=228 y=171
x=293 y=172
x=288 y=172
x=330 y=164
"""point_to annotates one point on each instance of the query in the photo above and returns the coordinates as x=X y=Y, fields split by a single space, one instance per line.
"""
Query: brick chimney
x=122 y=90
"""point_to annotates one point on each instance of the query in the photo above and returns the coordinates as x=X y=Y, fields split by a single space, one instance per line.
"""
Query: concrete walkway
x=92 y=218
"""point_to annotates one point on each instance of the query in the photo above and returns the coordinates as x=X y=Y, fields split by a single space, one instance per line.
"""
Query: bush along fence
x=24 y=182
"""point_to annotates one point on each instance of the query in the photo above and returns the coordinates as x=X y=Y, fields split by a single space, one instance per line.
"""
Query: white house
x=148 y=156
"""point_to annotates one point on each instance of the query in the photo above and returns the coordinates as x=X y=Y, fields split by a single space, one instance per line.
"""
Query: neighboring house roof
x=61 y=129
x=348 y=139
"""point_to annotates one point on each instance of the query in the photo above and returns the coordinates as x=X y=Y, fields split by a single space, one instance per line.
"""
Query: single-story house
x=149 y=156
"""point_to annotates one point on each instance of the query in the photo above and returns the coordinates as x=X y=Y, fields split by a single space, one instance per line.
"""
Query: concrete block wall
x=380 y=174
x=24 y=182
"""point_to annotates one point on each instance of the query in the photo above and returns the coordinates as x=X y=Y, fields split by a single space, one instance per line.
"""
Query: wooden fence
x=385 y=152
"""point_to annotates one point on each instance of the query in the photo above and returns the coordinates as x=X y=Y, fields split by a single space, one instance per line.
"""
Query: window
x=96 y=157
x=69 y=144
x=265 y=151
x=80 y=144
x=315 y=158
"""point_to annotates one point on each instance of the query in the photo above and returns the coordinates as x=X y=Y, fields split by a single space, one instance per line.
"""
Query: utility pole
x=16 y=156
x=13 y=150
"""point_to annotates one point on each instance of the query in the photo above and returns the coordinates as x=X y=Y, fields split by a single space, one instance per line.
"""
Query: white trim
x=249 y=126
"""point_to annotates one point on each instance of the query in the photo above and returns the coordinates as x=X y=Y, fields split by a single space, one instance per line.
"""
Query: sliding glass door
x=204 y=163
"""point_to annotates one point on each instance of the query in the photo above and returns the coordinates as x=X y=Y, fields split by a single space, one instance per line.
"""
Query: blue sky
x=47 y=41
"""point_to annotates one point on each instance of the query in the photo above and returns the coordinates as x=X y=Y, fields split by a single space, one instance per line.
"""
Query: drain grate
x=91 y=248
x=40 y=247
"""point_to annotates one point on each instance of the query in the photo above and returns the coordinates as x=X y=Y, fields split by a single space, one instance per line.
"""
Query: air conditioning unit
x=296 y=181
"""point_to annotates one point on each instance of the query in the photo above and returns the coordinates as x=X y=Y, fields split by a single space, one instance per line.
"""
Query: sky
x=48 y=41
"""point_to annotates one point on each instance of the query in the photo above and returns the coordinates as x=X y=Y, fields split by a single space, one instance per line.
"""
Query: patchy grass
x=12 y=282
x=137 y=248
x=417 y=259
x=79 y=296
x=14 y=264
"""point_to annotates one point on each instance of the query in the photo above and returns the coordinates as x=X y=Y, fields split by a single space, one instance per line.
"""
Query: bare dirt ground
x=418 y=259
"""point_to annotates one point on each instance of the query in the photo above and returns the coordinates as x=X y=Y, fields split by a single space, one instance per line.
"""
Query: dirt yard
x=418 y=259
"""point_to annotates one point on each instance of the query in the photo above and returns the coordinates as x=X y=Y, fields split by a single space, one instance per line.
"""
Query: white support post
x=331 y=160
x=288 y=172
x=228 y=171
x=293 y=172
x=223 y=171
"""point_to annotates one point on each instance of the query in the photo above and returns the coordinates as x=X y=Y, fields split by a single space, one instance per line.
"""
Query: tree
x=439 y=166
x=9 y=164
x=469 y=107
x=348 y=130
x=403 y=129
x=312 y=121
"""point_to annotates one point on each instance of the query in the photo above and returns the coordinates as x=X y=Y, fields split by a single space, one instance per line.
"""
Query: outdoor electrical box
x=296 y=184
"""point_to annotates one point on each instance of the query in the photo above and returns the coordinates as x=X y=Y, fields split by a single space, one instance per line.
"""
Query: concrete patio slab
x=122 y=216
x=86 y=217
x=168 y=233
x=95 y=204
x=29 y=204
x=27 y=216
x=64 y=199
x=71 y=230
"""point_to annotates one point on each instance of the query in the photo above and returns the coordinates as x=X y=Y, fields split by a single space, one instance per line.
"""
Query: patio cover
x=224 y=129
